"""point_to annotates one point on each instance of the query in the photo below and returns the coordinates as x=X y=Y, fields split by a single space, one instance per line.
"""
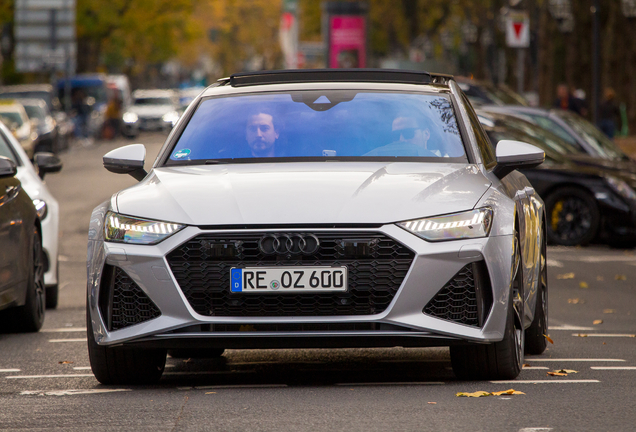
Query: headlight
x=40 y=208
x=171 y=117
x=126 y=229
x=621 y=188
x=130 y=117
x=470 y=224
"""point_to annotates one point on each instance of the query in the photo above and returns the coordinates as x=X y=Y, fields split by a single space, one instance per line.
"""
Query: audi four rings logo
x=293 y=244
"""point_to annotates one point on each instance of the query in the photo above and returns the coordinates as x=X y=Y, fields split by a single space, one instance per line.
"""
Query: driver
x=261 y=134
x=410 y=138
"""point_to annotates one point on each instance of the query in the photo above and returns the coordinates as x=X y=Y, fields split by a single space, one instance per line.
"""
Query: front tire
x=30 y=316
x=500 y=360
x=123 y=365
x=536 y=342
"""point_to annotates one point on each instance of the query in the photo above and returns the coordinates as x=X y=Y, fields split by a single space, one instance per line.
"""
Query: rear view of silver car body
x=370 y=214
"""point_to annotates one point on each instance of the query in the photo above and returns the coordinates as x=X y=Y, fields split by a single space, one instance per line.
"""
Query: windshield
x=153 y=101
x=505 y=95
x=321 y=124
x=592 y=135
x=35 y=112
x=11 y=117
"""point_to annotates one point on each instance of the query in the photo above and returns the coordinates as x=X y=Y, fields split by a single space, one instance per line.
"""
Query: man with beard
x=261 y=134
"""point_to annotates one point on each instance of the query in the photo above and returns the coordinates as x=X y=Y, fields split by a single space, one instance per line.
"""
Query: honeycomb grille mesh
x=457 y=300
x=376 y=266
x=130 y=304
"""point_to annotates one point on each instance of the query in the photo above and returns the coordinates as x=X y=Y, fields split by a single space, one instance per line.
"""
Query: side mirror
x=46 y=163
x=127 y=160
x=8 y=168
x=516 y=154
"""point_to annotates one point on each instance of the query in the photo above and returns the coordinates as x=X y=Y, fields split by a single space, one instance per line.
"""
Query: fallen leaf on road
x=620 y=277
x=474 y=394
x=581 y=335
x=609 y=310
x=599 y=278
x=597 y=322
x=566 y=276
x=65 y=362
x=526 y=365
x=557 y=374
x=575 y=301
x=549 y=339
x=507 y=392
x=210 y=392
x=567 y=371
x=432 y=403
x=583 y=285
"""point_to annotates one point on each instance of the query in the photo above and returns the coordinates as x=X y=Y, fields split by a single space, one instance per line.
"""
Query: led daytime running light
x=156 y=228
x=427 y=225
x=471 y=224
x=126 y=229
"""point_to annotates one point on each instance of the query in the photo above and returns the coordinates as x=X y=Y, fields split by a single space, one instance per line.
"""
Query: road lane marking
x=70 y=392
x=63 y=330
x=237 y=386
x=545 y=381
x=627 y=335
x=554 y=263
x=534 y=367
x=390 y=383
x=9 y=370
x=613 y=367
x=572 y=360
x=49 y=376
x=536 y=429
x=67 y=340
x=570 y=328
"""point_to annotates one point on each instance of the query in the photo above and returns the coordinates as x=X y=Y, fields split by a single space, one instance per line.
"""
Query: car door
x=12 y=241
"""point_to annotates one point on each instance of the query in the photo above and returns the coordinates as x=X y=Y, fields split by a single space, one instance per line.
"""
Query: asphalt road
x=46 y=382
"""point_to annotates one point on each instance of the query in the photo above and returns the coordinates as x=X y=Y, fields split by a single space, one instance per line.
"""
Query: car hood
x=304 y=193
x=151 y=111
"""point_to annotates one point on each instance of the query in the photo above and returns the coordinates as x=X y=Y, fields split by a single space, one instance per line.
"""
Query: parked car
x=42 y=121
x=572 y=128
x=485 y=93
x=584 y=201
x=14 y=116
x=22 y=298
x=320 y=209
x=154 y=109
x=45 y=92
x=31 y=178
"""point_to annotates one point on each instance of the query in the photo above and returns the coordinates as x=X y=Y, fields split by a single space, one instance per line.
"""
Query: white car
x=153 y=110
x=320 y=209
x=30 y=177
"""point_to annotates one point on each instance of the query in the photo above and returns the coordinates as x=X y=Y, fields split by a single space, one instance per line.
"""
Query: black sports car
x=22 y=294
x=586 y=198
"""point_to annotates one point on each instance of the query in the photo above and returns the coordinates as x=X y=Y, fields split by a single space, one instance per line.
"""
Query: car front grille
x=122 y=302
x=376 y=266
x=465 y=299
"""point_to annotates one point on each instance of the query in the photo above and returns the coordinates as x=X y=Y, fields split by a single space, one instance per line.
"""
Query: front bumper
x=402 y=323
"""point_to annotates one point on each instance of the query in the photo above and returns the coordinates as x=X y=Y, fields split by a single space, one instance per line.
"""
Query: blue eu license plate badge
x=236 y=276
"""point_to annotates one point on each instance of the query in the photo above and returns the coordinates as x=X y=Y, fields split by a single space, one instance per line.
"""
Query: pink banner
x=348 y=40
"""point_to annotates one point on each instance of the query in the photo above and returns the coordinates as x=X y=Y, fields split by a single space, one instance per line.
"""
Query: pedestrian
x=609 y=114
x=112 y=125
x=567 y=101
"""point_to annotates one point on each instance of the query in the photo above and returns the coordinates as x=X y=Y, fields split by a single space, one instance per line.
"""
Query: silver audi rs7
x=325 y=208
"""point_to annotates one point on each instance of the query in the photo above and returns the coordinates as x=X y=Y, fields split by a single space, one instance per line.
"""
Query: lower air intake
x=122 y=303
x=465 y=299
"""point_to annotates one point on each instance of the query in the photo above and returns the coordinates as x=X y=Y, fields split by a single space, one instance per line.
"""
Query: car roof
x=26 y=88
x=322 y=79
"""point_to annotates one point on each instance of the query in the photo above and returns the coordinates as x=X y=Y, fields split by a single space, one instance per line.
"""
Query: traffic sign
x=518 y=29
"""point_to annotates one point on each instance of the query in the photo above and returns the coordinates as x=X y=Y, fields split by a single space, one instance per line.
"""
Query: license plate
x=288 y=280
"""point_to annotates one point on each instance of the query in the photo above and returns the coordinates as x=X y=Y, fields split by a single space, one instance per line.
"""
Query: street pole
x=520 y=69
x=596 y=55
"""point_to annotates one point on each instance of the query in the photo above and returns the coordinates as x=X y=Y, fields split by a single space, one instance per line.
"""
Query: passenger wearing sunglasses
x=409 y=138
